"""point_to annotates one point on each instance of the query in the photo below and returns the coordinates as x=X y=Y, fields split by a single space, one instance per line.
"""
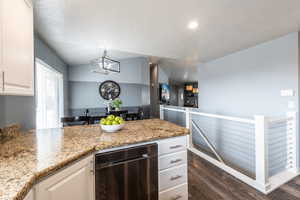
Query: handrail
x=237 y=119
x=280 y=119
x=174 y=109
x=264 y=127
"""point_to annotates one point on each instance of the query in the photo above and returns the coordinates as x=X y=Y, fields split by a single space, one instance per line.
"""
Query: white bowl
x=112 y=128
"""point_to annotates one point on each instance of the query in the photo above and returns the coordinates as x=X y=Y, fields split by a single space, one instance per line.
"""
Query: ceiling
x=77 y=29
x=178 y=71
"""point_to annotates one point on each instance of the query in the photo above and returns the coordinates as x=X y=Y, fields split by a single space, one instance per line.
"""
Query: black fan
x=109 y=90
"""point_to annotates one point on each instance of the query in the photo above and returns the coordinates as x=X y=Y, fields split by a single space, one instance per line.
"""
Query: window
x=49 y=96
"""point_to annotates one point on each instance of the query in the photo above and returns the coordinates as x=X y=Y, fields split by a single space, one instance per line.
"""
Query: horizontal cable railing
x=262 y=151
x=234 y=140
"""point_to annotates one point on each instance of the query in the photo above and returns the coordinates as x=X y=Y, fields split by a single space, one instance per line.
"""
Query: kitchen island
x=28 y=158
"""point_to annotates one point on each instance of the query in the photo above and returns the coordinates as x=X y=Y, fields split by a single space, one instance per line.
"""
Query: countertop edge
x=53 y=169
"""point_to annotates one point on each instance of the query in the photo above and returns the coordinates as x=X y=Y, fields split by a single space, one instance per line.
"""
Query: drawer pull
x=175 y=161
x=173 y=178
x=176 y=198
x=175 y=147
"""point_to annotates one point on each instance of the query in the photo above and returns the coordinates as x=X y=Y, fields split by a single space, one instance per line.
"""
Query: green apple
x=111 y=117
x=103 y=121
x=121 y=121
x=109 y=122
x=118 y=118
x=115 y=123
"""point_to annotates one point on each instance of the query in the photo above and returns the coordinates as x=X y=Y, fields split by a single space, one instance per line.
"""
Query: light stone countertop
x=29 y=157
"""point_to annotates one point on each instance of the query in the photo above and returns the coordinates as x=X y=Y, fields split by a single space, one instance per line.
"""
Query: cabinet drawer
x=172 y=145
x=176 y=193
x=172 y=160
x=172 y=177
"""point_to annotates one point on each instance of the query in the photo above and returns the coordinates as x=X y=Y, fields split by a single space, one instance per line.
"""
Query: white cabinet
x=17 y=47
x=172 y=145
x=177 y=193
x=76 y=182
x=172 y=160
x=173 y=184
x=29 y=196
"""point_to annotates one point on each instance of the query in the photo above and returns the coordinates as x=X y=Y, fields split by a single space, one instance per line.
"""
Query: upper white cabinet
x=17 y=48
x=75 y=182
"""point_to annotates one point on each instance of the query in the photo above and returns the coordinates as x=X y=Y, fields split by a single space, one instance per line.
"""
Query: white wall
x=249 y=82
x=244 y=84
x=133 y=71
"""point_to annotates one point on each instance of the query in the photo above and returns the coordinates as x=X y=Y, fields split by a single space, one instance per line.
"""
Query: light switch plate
x=287 y=93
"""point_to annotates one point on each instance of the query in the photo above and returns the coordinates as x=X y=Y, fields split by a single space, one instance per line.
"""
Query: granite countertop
x=31 y=156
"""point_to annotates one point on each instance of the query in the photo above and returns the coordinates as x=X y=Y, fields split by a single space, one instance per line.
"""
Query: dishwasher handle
x=111 y=164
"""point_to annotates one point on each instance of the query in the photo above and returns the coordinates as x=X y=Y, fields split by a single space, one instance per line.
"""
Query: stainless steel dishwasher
x=127 y=174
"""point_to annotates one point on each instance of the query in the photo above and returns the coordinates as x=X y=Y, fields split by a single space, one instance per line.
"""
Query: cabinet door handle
x=175 y=161
x=173 y=178
x=175 y=147
x=177 y=197
x=92 y=167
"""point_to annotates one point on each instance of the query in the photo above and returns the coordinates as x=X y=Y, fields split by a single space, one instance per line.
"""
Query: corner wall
x=249 y=82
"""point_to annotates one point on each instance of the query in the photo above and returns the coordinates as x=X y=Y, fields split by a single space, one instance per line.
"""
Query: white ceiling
x=178 y=71
x=76 y=29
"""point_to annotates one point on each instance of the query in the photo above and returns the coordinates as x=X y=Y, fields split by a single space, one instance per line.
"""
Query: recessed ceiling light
x=193 y=25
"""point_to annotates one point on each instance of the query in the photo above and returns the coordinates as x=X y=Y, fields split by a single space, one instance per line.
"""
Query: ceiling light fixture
x=193 y=25
x=106 y=64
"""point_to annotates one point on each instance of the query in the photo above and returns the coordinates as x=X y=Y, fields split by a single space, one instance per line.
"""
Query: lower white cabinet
x=172 y=161
x=176 y=193
x=29 y=196
x=172 y=177
x=76 y=182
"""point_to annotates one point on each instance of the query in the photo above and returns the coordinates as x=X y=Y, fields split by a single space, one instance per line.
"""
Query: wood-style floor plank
x=207 y=182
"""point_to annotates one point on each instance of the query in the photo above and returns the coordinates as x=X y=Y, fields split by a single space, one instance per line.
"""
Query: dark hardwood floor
x=207 y=182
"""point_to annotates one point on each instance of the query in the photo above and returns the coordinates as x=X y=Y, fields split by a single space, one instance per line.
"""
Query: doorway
x=49 y=96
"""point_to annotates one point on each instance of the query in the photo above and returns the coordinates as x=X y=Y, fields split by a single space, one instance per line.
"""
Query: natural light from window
x=49 y=98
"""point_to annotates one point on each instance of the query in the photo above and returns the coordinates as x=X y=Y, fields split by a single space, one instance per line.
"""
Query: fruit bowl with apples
x=112 y=123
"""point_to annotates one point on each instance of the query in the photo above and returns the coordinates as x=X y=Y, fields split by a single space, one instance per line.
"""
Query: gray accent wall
x=18 y=109
x=46 y=54
x=133 y=80
x=2 y=121
x=86 y=95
